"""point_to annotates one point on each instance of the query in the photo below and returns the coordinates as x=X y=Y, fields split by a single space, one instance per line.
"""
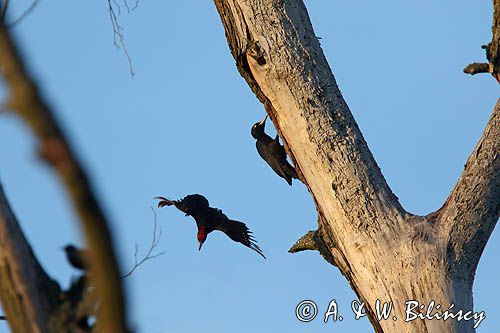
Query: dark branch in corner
x=149 y=254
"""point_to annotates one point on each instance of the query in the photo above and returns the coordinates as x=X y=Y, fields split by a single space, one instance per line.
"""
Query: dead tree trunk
x=383 y=251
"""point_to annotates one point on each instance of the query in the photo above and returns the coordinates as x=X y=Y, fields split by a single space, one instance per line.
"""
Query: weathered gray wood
x=384 y=252
x=471 y=211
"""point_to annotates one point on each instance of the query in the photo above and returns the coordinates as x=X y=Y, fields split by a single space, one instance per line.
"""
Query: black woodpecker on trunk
x=209 y=219
x=273 y=152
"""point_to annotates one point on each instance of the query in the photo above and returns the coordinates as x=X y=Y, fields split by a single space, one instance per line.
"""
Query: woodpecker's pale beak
x=200 y=245
x=263 y=122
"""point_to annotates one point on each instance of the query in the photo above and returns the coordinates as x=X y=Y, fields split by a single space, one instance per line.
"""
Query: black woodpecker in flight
x=273 y=152
x=209 y=219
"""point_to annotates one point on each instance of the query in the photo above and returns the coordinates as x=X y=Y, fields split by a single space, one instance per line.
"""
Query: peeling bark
x=383 y=251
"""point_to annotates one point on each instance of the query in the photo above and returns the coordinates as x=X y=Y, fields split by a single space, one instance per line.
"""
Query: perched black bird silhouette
x=76 y=257
x=209 y=219
x=273 y=152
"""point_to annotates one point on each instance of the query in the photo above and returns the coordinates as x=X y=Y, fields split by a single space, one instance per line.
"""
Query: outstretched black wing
x=190 y=204
x=237 y=231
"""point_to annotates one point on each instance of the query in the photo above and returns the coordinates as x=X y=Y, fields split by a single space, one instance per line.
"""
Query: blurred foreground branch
x=54 y=148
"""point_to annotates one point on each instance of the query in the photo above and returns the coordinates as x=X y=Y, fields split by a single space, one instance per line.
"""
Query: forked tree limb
x=55 y=149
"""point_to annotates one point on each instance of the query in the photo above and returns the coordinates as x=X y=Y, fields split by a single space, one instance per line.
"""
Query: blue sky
x=182 y=125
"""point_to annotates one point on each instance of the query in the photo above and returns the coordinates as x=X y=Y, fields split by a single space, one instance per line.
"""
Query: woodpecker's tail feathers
x=290 y=170
x=239 y=232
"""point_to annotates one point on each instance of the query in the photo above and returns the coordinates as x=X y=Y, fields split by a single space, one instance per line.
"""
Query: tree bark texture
x=383 y=251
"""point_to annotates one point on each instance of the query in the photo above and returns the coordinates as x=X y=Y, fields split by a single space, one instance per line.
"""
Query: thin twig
x=118 y=38
x=23 y=15
x=154 y=243
x=136 y=5
x=130 y=9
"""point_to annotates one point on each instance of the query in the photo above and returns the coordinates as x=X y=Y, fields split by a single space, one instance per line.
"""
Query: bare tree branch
x=26 y=102
x=118 y=37
x=29 y=296
x=149 y=254
x=471 y=211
